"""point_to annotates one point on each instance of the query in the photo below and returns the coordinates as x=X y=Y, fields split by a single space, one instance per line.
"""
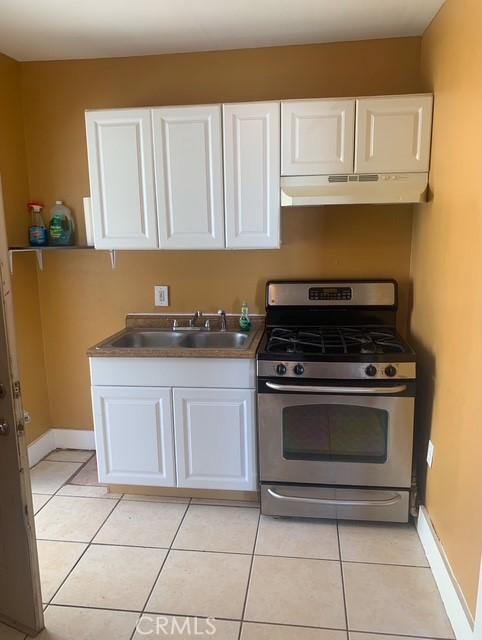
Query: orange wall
x=83 y=300
x=13 y=169
x=446 y=272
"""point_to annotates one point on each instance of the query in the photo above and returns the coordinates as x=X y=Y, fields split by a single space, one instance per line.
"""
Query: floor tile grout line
x=255 y=542
x=168 y=552
x=263 y=622
x=79 y=462
x=46 y=459
x=398 y=635
x=45 y=503
x=342 y=580
x=387 y=564
x=124 y=499
x=82 y=465
x=65 y=495
x=160 y=570
x=89 y=544
x=237 y=553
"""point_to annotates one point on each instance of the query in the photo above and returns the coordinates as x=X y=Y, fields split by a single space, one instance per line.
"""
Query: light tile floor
x=110 y=563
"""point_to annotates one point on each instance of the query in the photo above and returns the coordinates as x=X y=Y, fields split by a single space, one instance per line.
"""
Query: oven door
x=336 y=434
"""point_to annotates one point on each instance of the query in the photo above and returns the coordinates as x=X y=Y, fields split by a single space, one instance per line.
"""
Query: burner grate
x=333 y=340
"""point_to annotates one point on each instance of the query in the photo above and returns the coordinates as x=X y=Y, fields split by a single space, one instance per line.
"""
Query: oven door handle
x=336 y=389
x=333 y=501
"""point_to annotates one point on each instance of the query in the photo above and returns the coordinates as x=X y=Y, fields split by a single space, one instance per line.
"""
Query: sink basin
x=215 y=340
x=147 y=340
x=163 y=338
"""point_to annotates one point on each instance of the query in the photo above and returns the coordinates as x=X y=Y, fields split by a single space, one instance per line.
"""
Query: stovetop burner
x=333 y=340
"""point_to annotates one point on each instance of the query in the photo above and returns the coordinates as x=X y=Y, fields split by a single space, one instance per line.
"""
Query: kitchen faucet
x=222 y=315
x=197 y=316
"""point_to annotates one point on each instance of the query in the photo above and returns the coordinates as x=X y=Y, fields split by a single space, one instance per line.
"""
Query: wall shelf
x=39 y=251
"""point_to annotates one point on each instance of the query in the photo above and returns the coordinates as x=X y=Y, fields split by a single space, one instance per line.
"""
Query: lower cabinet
x=134 y=435
x=215 y=439
x=201 y=438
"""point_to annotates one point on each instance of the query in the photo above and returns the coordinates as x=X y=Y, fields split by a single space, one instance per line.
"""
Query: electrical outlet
x=430 y=452
x=161 y=296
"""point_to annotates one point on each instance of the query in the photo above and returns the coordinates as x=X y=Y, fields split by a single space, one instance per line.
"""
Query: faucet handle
x=175 y=324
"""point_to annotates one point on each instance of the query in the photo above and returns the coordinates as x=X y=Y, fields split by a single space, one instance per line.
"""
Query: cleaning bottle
x=244 y=321
x=61 y=227
x=37 y=232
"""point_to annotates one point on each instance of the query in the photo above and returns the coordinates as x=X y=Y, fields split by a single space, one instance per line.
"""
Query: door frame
x=17 y=424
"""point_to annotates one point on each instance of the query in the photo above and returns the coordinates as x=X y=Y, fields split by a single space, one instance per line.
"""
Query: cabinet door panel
x=317 y=137
x=252 y=174
x=215 y=443
x=188 y=172
x=121 y=179
x=134 y=435
x=393 y=134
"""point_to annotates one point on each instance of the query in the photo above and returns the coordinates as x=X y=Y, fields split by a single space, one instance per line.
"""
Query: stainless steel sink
x=215 y=340
x=146 y=340
x=163 y=338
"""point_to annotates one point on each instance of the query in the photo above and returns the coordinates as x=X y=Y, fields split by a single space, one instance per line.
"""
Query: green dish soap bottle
x=244 y=321
x=61 y=227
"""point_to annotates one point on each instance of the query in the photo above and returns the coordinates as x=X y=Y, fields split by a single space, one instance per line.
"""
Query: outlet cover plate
x=430 y=452
x=161 y=295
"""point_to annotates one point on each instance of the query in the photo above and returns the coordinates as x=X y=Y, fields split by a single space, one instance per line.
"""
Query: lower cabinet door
x=215 y=438
x=133 y=434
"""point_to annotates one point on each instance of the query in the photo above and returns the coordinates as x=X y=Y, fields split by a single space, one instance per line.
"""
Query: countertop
x=164 y=321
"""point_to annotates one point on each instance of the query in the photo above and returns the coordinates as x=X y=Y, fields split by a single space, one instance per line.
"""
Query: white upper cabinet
x=393 y=134
x=317 y=137
x=188 y=176
x=252 y=175
x=121 y=179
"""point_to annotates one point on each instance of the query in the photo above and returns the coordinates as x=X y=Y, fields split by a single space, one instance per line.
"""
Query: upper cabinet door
x=393 y=134
x=317 y=137
x=188 y=173
x=119 y=146
x=252 y=175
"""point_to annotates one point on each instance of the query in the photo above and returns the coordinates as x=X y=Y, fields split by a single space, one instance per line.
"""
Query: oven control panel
x=329 y=293
x=337 y=370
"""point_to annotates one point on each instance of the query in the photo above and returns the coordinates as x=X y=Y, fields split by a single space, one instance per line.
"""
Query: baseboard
x=74 y=439
x=59 y=439
x=40 y=447
x=450 y=592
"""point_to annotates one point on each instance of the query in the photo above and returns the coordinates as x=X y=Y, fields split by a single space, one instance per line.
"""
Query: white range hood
x=379 y=188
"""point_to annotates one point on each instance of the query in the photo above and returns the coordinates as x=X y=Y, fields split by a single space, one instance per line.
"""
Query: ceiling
x=67 y=29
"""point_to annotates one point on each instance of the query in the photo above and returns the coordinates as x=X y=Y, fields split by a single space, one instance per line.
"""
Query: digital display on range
x=329 y=293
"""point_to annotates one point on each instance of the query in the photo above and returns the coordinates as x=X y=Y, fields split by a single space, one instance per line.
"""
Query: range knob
x=390 y=371
x=281 y=369
x=299 y=369
x=371 y=370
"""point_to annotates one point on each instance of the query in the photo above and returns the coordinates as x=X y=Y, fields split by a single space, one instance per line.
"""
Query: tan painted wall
x=13 y=169
x=446 y=271
x=83 y=300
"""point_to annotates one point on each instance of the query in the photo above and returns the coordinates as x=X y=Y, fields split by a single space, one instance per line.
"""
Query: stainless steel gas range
x=336 y=392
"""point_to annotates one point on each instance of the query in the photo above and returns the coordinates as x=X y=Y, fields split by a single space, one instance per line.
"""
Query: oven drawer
x=384 y=505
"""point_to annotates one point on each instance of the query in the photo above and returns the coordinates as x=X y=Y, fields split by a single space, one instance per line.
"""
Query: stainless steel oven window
x=335 y=432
